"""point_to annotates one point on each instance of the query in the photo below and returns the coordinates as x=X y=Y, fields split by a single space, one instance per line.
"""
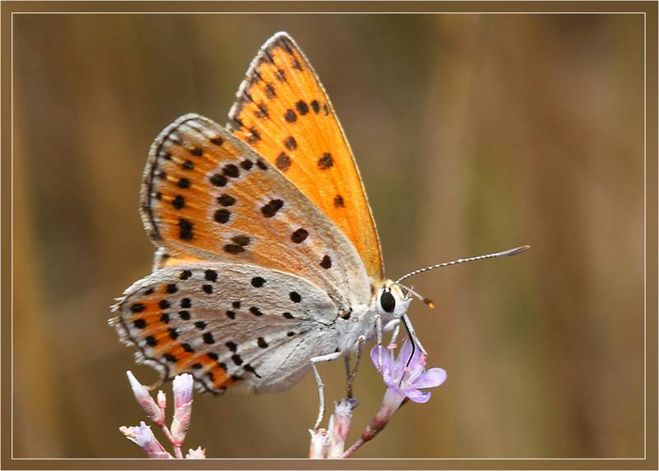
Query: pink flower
x=145 y=439
x=197 y=454
x=407 y=374
x=162 y=400
x=339 y=426
x=182 y=387
x=318 y=445
x=153 y=411
x=404 y=377
x=329 y=443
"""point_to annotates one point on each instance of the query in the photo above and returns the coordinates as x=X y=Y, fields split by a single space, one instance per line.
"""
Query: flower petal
x=431 y=379
x=405 y=352
x=144 y=437
x=418 y=396
x=182 y=387
x=387 y=360
x=411 y=362
x=387 y=366
x=392 y=400
x=144 y=399
x=418 y=361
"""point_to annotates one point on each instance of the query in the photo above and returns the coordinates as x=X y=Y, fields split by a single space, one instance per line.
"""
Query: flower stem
x=177 y=446
x=378 y=423
x=353 y=448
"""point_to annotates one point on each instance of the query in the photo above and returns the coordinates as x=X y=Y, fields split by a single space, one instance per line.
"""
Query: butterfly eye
x=387 y=301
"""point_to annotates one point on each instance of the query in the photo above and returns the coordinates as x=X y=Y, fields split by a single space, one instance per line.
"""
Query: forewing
x=225 y=324
x=208 y=196
x=283 y=112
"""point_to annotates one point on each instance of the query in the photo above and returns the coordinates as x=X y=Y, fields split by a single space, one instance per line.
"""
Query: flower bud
x=144 y=399
x=339 y=426
x=318 y=445
x=145 y=439
x=197 y=454
x=182 y=387
x=162 y=400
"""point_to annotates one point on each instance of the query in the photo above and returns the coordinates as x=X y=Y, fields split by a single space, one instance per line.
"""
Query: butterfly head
x=390 y=301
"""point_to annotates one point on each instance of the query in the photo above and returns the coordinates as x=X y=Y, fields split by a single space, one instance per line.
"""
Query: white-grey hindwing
x=228 y=324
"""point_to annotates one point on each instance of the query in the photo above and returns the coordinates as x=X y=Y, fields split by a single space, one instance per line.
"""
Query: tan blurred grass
x=473 y=133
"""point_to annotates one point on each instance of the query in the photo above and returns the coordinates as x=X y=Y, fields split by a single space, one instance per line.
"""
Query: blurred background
x=473 y=133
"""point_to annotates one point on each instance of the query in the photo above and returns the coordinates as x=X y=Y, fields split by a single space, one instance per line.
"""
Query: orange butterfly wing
x=283 y=112
x=207 y=196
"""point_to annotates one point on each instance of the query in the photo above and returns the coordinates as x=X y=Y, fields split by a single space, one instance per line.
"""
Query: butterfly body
x=267 y=256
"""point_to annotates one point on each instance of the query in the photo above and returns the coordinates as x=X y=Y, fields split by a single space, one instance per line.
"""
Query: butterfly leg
x=319 y=383
x=410 y=331
x=349 y=370
x=378 y=336
x=351 y=373
x=395 y=327
x=346 y=363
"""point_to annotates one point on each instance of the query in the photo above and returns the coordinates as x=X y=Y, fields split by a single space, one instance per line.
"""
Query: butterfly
x=268 y=259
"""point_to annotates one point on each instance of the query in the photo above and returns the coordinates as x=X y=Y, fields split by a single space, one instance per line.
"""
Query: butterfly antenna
x=427 y=301
x=505 y=253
